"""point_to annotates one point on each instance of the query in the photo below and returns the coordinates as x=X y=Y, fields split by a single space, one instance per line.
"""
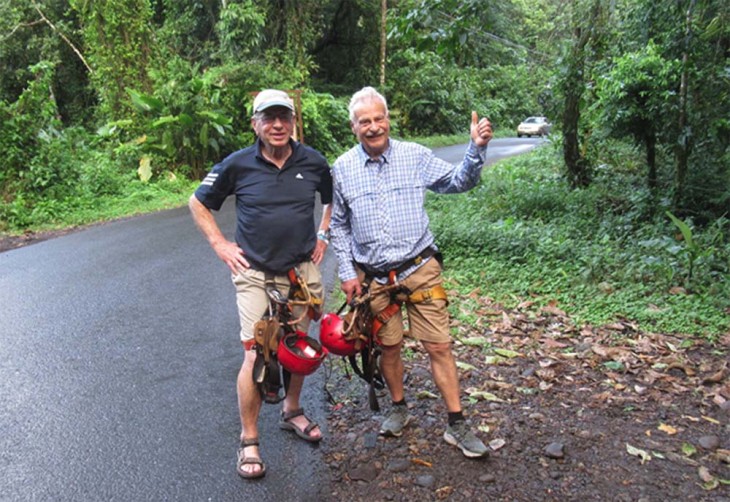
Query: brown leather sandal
x=286 y=424
x=244 y=460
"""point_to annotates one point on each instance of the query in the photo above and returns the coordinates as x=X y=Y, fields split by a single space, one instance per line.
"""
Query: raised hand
x=481 y=130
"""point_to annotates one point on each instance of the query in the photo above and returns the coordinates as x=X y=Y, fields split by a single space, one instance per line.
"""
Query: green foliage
x=326 y=124
x=183 y=124
x=524 y=234
x=352 y=24
x=119 y=40
x=429 y=96
x=637 y=92
x=466 y=32
x=23 y=124
x=186 y=28
x=240 y=29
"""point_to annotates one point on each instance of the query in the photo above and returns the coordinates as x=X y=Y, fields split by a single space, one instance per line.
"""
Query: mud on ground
x=605 y=413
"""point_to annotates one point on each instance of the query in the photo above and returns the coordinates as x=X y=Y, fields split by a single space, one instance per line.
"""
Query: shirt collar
x=293 y=144
x=384 y=158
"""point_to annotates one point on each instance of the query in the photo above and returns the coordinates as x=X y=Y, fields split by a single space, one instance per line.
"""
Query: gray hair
x=365 y=95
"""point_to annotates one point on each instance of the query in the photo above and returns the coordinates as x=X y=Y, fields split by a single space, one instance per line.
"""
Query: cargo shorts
x=427 y=321
x=253 y=302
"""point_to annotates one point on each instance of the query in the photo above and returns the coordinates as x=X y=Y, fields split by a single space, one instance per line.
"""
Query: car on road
x=534 y=126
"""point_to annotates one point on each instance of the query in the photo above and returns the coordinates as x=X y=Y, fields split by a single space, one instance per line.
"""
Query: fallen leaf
x=691 y=418
x=643 y=455
x=496 y=444
x=553 y=344
x=465 y=366
x=444 y=492
x=480 y=394
x=507 y=353
x=688 y=449
x=484 y=428
x=493 y=359
x=425 y=394
x=717 y=377
x=705 y=474
x=711 y=420
x=418 y=461
x=723 y=455
x=475 y=341
x=668 y=429
x=614 y=365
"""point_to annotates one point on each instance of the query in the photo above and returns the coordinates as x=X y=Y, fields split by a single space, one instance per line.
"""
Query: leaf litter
x=529 y=378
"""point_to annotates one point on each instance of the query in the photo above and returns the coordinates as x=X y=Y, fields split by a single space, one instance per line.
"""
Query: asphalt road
x=118 y=358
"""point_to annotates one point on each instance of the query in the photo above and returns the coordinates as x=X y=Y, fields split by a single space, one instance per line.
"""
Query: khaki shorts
x=253 y=302
x=428 y=321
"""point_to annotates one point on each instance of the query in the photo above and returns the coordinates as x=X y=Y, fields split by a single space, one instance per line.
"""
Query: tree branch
x=22 y=25
x=65 y=39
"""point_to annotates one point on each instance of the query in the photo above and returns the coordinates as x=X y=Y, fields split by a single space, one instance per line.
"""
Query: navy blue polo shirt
x=274 y=207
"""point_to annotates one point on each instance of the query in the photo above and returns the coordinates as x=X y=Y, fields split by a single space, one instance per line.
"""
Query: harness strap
x=416 y=260
x=300 y=291
x=428 y=295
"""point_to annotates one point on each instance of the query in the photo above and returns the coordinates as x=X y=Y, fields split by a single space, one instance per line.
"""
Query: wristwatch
x=324 y=235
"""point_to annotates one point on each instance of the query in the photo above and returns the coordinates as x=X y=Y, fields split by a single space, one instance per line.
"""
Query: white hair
x=365 y=95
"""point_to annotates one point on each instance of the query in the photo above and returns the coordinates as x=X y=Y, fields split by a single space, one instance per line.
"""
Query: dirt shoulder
x=8 y=242
x=593 y=414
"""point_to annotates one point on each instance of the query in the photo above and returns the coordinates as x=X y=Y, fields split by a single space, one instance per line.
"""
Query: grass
x=134 y=199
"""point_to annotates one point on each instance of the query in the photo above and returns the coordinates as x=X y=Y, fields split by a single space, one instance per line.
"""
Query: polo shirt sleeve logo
x=299 y=176
x=210 y=179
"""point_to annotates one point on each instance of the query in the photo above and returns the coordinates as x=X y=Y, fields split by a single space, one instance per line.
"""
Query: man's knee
x=391 y=350
x=438 y=350
x=249 y=358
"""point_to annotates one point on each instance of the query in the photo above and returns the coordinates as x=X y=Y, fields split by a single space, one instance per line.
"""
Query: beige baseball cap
x=272 y=97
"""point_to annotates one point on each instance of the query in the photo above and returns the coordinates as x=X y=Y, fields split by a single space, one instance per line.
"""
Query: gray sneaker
x=461 y=436
x=396 y=422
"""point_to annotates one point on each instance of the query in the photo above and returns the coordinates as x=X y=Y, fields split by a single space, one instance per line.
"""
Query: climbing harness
x=281 y=349
x=356 y=333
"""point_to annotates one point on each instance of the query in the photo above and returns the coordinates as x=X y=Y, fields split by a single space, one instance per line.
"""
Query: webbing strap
x=427 y=295
x=384 y=316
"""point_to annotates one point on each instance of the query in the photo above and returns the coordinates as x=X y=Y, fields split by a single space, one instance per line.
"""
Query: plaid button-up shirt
x=378 y=215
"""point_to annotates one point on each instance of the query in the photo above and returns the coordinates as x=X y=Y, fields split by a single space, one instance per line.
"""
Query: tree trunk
x=577 y=166
x=383 y=39
x=685 y=141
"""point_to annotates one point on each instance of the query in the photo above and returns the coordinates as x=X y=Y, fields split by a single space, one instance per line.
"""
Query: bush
x=326 y=124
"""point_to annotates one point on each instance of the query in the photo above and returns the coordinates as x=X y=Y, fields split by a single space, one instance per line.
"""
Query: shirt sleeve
x=443 y=177
x=325 y=186
x=218 y=184
x=341 y=235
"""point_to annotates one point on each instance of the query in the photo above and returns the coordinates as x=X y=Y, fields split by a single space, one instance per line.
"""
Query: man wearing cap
x=380 y=231
x=275 y=182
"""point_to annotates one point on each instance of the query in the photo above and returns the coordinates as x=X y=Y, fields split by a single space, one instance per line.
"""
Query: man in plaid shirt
x=379 y=225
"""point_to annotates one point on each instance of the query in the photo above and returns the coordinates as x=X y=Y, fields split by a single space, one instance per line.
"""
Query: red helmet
x=300 y=354
x=332 y=337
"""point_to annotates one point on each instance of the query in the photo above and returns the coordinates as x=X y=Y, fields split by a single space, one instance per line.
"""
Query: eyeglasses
x=269 y=117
